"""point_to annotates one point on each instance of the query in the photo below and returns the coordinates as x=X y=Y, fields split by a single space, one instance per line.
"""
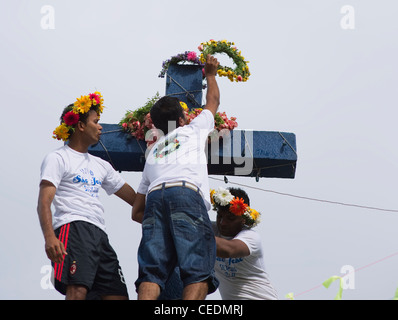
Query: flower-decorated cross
x=230 y=152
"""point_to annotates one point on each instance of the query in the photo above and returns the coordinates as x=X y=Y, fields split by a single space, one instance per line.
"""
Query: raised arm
x=213 y=92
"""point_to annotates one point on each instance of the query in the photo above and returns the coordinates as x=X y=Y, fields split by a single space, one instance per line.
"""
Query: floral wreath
x=222 y=198
x=241 y=71
x=186 y=57
x=138 y=122
x=239 y=74
x=81 y=106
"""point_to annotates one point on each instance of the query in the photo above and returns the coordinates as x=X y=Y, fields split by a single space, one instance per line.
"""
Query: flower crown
x=81 y=106
x=223 y=198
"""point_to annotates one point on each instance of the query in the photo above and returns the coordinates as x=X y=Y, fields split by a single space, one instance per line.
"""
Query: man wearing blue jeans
x=174 y=192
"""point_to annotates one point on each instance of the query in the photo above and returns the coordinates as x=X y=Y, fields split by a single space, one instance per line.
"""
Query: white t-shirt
x=244 y=278
x=180 y=156
x=78 y=178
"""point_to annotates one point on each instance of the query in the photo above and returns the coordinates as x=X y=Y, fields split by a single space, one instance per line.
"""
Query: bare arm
x=139 y=208
x=55 y=249
x=127 y=194
x=213 y=92
x=231 y=248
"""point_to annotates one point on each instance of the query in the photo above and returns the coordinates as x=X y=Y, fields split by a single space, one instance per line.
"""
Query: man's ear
x=181 y=122
x=80 y=126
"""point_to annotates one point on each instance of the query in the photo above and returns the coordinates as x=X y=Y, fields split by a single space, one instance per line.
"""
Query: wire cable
x=309 y=198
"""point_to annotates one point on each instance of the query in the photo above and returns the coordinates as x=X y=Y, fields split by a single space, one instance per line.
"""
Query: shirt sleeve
x=113 y=181
x=204 y=121
x=52 y=169
x=251 y=239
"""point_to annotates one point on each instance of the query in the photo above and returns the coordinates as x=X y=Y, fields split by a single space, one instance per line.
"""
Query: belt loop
x=183 y=184
x=163 y=185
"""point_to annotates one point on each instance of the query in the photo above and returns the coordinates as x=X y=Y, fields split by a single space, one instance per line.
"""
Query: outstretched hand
x=211 y=66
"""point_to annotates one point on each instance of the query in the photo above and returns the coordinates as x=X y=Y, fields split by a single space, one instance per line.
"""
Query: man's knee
x=148 y=291
x=76 y=292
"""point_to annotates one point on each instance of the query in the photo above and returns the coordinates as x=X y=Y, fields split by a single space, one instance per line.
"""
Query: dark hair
x=82 y=117
x=165 y=110
x=240 y=193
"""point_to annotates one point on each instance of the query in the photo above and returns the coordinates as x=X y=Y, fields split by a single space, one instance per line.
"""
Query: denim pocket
x=185 y=224
x=148 y=224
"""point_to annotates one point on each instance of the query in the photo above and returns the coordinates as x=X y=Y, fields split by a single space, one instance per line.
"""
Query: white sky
x=334 y=88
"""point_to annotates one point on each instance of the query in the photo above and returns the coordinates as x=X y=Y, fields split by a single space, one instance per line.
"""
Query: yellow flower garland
x=241 y=72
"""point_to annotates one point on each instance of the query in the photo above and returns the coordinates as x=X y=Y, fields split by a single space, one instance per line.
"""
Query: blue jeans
x=176 y=231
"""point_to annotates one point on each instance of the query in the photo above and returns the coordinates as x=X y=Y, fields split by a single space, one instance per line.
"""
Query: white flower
x=223 y=197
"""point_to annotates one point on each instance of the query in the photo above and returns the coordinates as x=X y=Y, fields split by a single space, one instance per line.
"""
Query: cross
x=238 y=153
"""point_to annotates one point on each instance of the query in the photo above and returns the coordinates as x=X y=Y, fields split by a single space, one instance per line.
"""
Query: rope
x=106 y=150
x=188 y=94
x=107 y=153
x=287 y=142
x=355 y=270
x=311 y=199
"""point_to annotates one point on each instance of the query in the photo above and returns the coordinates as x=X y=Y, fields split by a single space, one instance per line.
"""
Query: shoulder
x=249 y=233
x=251 y=238
x=204 y=120
x=53 y=167
x=101 y=162
x=57 y=155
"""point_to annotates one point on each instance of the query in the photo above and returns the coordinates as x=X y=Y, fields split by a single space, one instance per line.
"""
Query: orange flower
x=238 y=206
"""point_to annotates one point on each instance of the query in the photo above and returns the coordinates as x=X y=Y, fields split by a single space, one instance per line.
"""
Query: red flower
x=238 y=206
x=71 y=118
x=191 y=56
x=96 y=97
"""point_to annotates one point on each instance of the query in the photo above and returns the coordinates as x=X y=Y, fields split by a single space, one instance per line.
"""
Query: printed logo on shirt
x=167 y=147
x=228 y=266
x=89 y=182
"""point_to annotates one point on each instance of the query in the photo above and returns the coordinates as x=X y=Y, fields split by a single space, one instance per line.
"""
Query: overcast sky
x=329 y=79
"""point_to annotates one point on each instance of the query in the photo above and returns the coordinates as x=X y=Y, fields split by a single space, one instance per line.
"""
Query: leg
x=76 y=273
x=195 y=244
x=156 y=253
x=109 y=282
x=148 y=291
x=76 y=292
x=196 y=291
x=114 y=298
